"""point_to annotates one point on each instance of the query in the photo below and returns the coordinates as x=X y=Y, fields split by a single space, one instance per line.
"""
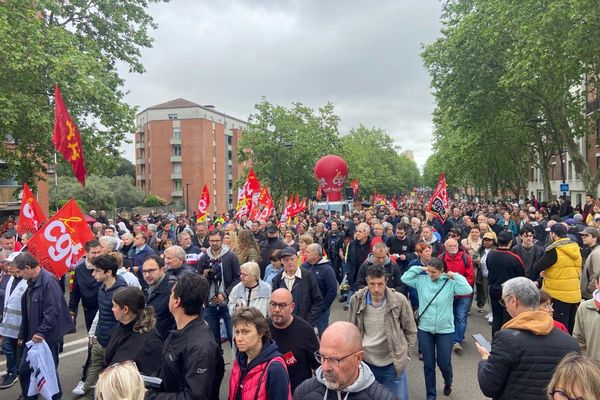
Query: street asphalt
x=464 y=365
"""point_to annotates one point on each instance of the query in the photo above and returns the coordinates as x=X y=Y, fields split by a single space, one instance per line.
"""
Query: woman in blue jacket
x=436 y=292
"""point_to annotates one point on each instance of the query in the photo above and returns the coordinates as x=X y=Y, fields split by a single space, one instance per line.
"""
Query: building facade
x=589 y=146
x=180 y=146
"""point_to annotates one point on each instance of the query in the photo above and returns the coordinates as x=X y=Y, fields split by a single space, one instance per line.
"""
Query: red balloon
x=331 y=173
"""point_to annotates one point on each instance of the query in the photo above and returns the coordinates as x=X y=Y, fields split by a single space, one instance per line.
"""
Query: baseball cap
x=590 y=230
x=288 y=251
x=10 y=258
x=559 y=229
x=490 y=235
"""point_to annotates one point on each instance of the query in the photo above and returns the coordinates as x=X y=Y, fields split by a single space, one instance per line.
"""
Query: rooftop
x=183 y=103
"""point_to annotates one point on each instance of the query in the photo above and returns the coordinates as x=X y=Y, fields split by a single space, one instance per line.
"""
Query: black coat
x=85 y=289
x=48 y=313
x=522 y=363
x=306 y=295
x=127 y=345
x=312 y=389
x=267 y=247
x=192 y=365
x=159 y=300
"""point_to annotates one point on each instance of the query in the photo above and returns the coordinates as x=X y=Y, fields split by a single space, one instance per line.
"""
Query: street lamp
x=187 y=196
x=538 y=120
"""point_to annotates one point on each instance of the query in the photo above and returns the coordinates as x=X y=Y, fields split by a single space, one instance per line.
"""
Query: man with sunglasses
x=342 y=374
x=285 y=330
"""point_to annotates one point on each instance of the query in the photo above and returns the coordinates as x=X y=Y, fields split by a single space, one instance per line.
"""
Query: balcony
x=140 y=177
x=176 y=193
x=176 y=175
x=7 y=195
x=175 y=141
x=175 y=158
x=140 y=161
x=140 y=145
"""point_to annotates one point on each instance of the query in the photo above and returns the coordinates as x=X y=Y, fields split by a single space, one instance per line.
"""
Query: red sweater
x=460 y=263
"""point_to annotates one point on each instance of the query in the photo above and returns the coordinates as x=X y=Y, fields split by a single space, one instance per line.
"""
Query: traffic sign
x=564 y=187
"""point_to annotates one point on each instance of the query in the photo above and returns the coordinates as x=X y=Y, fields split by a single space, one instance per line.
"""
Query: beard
x=331 y=385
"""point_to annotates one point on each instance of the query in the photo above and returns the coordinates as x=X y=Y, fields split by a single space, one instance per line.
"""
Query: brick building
x=589 y=146
x=180 y=146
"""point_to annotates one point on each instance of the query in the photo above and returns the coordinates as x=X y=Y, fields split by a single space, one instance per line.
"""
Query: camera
x=215 y=273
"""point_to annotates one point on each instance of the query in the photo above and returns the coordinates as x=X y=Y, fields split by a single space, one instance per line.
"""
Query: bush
x=154 y=201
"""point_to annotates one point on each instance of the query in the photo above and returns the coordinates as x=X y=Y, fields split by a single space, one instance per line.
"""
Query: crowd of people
x=162 y=294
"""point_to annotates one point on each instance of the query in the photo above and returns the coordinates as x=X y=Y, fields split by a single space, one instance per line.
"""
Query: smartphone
x=483 y=342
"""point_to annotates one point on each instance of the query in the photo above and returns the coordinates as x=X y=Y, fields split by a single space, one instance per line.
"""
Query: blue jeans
x=323 y=322
x=387 y=376
x=461 y=308
x=436 y=348
x=212 y=315
x=9 y=346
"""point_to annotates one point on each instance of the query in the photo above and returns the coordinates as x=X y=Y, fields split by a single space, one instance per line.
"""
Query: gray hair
x=252 y=268
x=415 y=220
x=524 y=290
x=365 y=227
x=110 y=242
x=315 y=248
x=182 y=234
x=178 y=252
x=127 y=235
x=151 y=227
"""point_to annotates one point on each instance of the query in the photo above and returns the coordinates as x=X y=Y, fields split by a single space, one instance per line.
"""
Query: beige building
x=180 y=146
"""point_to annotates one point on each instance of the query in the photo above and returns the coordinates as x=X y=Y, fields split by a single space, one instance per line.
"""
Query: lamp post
x=187 y=196
x=538 y=120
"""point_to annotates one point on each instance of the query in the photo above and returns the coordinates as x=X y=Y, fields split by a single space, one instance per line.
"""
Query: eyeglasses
x=149 y=271
x=502 y=301
x=332 y=360
x=281 y=306
x=558 y=394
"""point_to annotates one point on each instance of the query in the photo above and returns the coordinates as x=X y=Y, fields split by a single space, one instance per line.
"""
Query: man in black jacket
x=303 y=286
x=267 y=247
x=528 y=339
x=528 y=250
x=379 y=256
x=45 y=315
x=221 y=267
x=159 y=289
x=342 y=374
x=358 y=251
x=85 y=289
x=192 y=365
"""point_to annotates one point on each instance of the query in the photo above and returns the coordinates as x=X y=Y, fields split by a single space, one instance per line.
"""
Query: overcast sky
x=361 y=56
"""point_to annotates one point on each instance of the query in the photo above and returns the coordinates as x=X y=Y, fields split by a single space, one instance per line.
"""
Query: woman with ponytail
x=135 y=337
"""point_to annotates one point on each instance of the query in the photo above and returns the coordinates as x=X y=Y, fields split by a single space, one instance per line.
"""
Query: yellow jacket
x=561 y=280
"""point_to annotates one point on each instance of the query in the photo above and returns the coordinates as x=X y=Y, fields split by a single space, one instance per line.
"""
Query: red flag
x=319 y=192
x=203 y=204
x=59 y=244
x=66 y=139
x=394 y=204
x=354 y=185
x=439 y=200
x=31 y=215
x=251 y=186
x=254 y=210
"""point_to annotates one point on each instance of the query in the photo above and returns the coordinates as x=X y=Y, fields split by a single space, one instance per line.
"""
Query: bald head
x=282 y=296
x=342 y=334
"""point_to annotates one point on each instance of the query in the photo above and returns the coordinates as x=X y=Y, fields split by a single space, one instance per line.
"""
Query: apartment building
x=180 y=146
x=589 y=146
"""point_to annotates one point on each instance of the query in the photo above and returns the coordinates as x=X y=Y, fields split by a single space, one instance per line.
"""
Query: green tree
x=285 y=143
x=100 y=193
x=500 y=64
x=77 y=44
x=374 y=160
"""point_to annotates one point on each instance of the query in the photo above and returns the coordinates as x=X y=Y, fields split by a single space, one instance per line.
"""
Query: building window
x=570 y=174
x=176 y=150
x=176 y=185
x=177 y=133
x=176 y=168
x=230 y=184
x=230 y=169
x=172 y=116
x=229 y=154
x=229 y=140
x=597 y=163
x=553 y=172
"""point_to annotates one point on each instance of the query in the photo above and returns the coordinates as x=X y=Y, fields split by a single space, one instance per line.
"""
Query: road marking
x=63 y=354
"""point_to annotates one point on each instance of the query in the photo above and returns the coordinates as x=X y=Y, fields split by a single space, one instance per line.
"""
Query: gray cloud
x=363 y=57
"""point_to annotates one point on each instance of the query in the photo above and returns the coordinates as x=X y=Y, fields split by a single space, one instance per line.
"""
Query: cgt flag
x=439 y=200
x=59 y=244
x=355 y=187
x=203 y=204
x=31 y=216
x=66 y=139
